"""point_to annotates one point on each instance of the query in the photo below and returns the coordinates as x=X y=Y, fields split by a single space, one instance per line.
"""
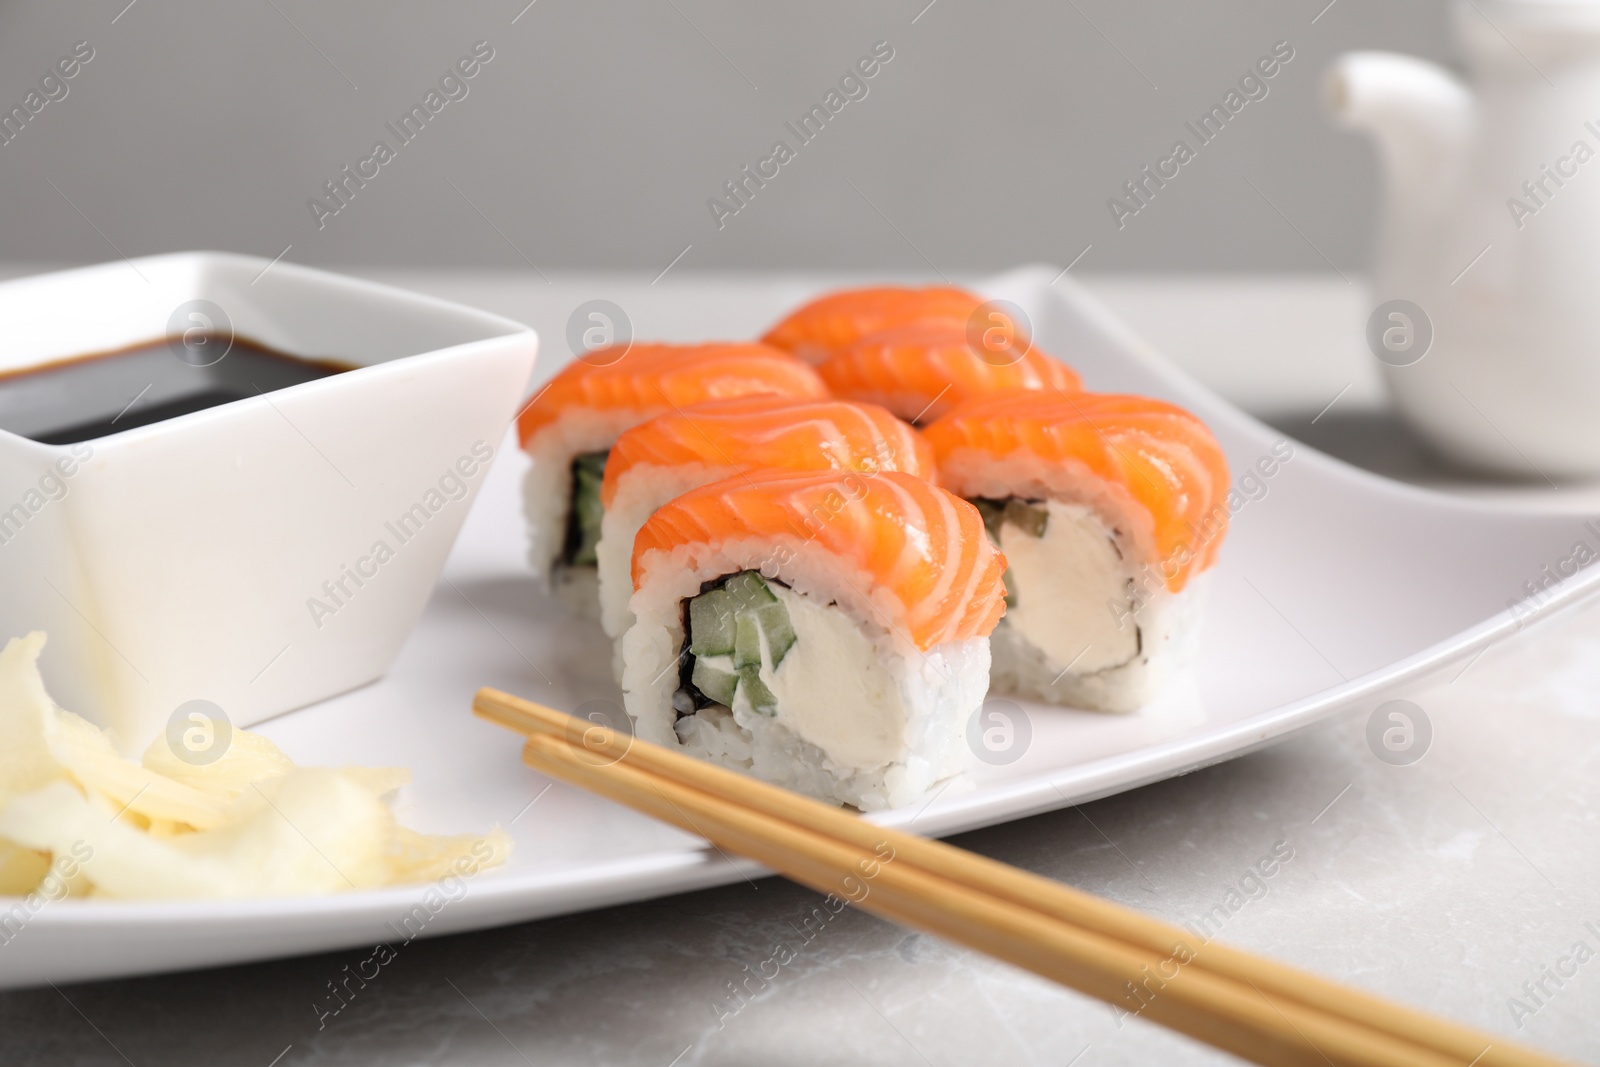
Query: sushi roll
x=683 y=450
x=920 y=372
x=1108 y=509
x=826 y=631
x=832 y=323
x=569 y=426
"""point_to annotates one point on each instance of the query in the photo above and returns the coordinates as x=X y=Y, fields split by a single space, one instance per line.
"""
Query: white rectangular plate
x=1335 y=588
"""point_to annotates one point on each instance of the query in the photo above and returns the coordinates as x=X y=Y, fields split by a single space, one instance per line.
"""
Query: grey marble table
x=1467 y=882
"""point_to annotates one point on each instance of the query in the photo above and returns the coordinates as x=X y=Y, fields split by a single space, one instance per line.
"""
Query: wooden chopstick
x=1224 y=1014
x=1275 y=980
x=1264 y=1011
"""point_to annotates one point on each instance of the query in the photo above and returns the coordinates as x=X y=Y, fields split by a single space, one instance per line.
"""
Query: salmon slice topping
x=924 y=546
x=649 y=379
x=754 y=432
x=1156 y=455
x=832 y=323
x=921 y=372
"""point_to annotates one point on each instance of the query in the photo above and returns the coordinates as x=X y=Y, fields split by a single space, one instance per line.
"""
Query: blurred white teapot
x=1487 y=291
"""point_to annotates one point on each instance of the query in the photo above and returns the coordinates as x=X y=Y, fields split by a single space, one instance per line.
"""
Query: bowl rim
x=508 y=330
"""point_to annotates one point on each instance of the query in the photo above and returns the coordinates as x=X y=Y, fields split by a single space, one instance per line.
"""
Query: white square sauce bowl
x=195 y=517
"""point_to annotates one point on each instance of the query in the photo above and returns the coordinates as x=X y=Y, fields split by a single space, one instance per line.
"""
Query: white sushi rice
x=896 y=728
x=643 y=489
x=1093 y=626
x=547 y=498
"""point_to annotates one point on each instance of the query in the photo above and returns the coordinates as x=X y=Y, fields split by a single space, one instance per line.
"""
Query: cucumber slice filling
x=1031 y=517
x=749 y=590
x=711 y=624
x=732 y=627
x=714 y=681
x=756 y=691
x=746 y=641
x=584 y=513
x=773 y=621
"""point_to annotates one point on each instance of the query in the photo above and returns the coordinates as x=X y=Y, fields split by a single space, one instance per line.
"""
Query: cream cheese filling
x=832 y=689
x=1072 y=590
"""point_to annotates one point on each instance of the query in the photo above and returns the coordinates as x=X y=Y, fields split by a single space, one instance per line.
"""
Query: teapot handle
x=1422 y=116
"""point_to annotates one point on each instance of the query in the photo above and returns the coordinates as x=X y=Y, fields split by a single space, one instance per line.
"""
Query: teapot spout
x=1423 y=118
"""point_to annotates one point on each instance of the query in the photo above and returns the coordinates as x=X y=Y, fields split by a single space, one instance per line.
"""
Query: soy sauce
x=86 y=397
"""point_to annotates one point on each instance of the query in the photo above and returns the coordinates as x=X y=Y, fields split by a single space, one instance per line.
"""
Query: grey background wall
x=599 y=130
